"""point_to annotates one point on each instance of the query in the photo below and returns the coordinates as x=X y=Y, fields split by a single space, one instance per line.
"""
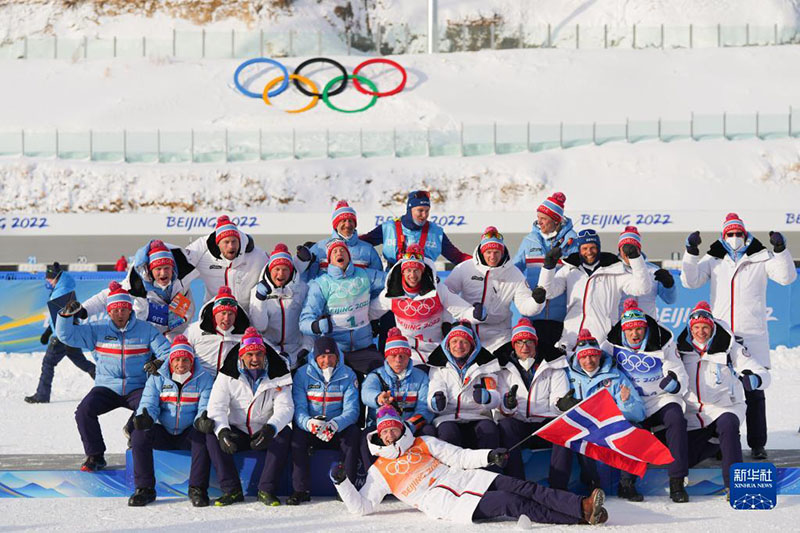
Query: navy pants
x=100 y=401
x=476 y=435
x=56 y=351
x=228 y=475
x=303 y=445
x=508 y=497
x=143 y=442
x=726 y=428
x=428 y=430
x=756 y=418
x=513 y=430
x=675 y=436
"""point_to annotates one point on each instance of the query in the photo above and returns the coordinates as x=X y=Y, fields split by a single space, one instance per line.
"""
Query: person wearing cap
x=230 y=257
x=463 y=390
x=275 y=305
x=531 y=383
x=663 y=282
x=326 y=409
x=172 y=415
x=551 y=229
x=451 y=483
x=216 y=334
x=60 y=284
x=721 y=372
x=344 y=222
x=738 y=266
x=647 y=353
x=594 y=282
x=251 y=406
x=491 y=281
x=399 y=383
x=121 y=345
x=590 y=370
x=337 y=305
x=414 y=228
x=420 y=304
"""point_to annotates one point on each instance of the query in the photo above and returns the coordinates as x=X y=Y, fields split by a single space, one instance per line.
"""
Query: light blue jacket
x=530 y=257
x=433 y=240
x=120 y=354
x=63 y=286
x=610 y=377
x=362 y=254
x=174 y=407
x=410 y=393
x=336 y=400
x=344 y=296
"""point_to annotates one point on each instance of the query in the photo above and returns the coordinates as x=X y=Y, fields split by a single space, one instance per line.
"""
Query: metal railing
x=223 y=146
x=400 y=38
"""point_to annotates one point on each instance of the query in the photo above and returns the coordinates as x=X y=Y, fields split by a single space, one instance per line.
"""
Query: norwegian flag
x=596 y=428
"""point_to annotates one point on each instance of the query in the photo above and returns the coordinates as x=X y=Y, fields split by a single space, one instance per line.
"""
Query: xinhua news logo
x=754 y=486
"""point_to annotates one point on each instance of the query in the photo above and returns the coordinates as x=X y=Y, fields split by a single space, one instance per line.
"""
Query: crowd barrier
x=23 y=300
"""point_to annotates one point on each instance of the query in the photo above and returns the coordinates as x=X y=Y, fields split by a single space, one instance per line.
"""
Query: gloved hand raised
x=72 y=308
x=630 y=251
x=304 y=252
x=510 y=398
x=539 y=295
x=664 y=277
x=551 y=258
x=262 y=290
x=693 y=242
x=777 y=241
x=152 y=366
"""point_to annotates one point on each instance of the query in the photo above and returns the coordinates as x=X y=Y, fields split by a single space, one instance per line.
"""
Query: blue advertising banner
x=23 y=304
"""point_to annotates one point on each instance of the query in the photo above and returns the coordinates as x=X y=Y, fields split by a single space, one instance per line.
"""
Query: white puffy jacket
x=739 y=289
x=714 y=387
x=496 y=288
x=593 y=301
x=234 y=404
x=537 y=402
x=212 y=347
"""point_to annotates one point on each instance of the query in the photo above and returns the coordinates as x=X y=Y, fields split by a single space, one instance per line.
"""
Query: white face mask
x=527 y=363
x=735 y=242
x=550 y=235
x=593 y=372
x=181 y=378
x=327 y=373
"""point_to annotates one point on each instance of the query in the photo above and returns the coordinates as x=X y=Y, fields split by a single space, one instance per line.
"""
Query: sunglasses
x=735 y=234
x=700 y=314
x=583 y=343
x=414 y=256
x=496 y=234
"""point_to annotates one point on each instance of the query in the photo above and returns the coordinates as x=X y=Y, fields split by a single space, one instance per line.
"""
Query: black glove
x=261 y=438
x=337 y=473
x=551 y=258
x=72 y=308
x=322 y=326
x=304 y=252
x=480 y=393
x=446 y=327
x=152 y=366
x=665 y=278
x=439 y=401
x=262 y=290
x=539 y=295
x=45 y=338
x=750 y=381
x=693 y=243
x=510 y=398
x=83 y=314
x=630 y=251
x=670 y=383
x=143 y=421
x=204 y=424
x=568 y=401
x=226 y=442
x=498 y=457
x=302 y=357
x=777 y=241
x=478 y=312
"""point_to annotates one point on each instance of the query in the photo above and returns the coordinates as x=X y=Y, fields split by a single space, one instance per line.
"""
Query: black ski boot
x=268 y=499
x=298 y=497
x=35 y=399
x=198 y=496
x=93 y=463
x=758 y=453
x=677 y=492
x=229 y=498
x=142 y=497
x=627 y=491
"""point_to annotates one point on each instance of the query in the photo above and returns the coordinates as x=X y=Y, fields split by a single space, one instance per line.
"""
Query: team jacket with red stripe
x=120 y=354
x=420 y=318
x=739 y=289
x=277 y=317
x=593 y=301
x=714 y=387
x=496 y=288
x=441 y=480
x=234 y=404
x=410 y=392
x=458 y=384
x=335 y=400
x=211 y=347
x=175 y=406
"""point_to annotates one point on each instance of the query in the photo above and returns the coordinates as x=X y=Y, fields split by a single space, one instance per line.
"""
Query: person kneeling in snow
x=445 y=481
x=172 y=416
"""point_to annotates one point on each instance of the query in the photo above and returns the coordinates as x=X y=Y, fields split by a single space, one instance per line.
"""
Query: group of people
x=283 y=360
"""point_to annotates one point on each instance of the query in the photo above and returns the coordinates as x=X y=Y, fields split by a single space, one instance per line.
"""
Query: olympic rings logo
x=310 y=89
x=401 y=466
x=347 y=288
x=631 y=362
x=413 y=308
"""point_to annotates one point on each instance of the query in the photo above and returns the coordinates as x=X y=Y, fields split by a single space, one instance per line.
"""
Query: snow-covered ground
x=51 y=429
